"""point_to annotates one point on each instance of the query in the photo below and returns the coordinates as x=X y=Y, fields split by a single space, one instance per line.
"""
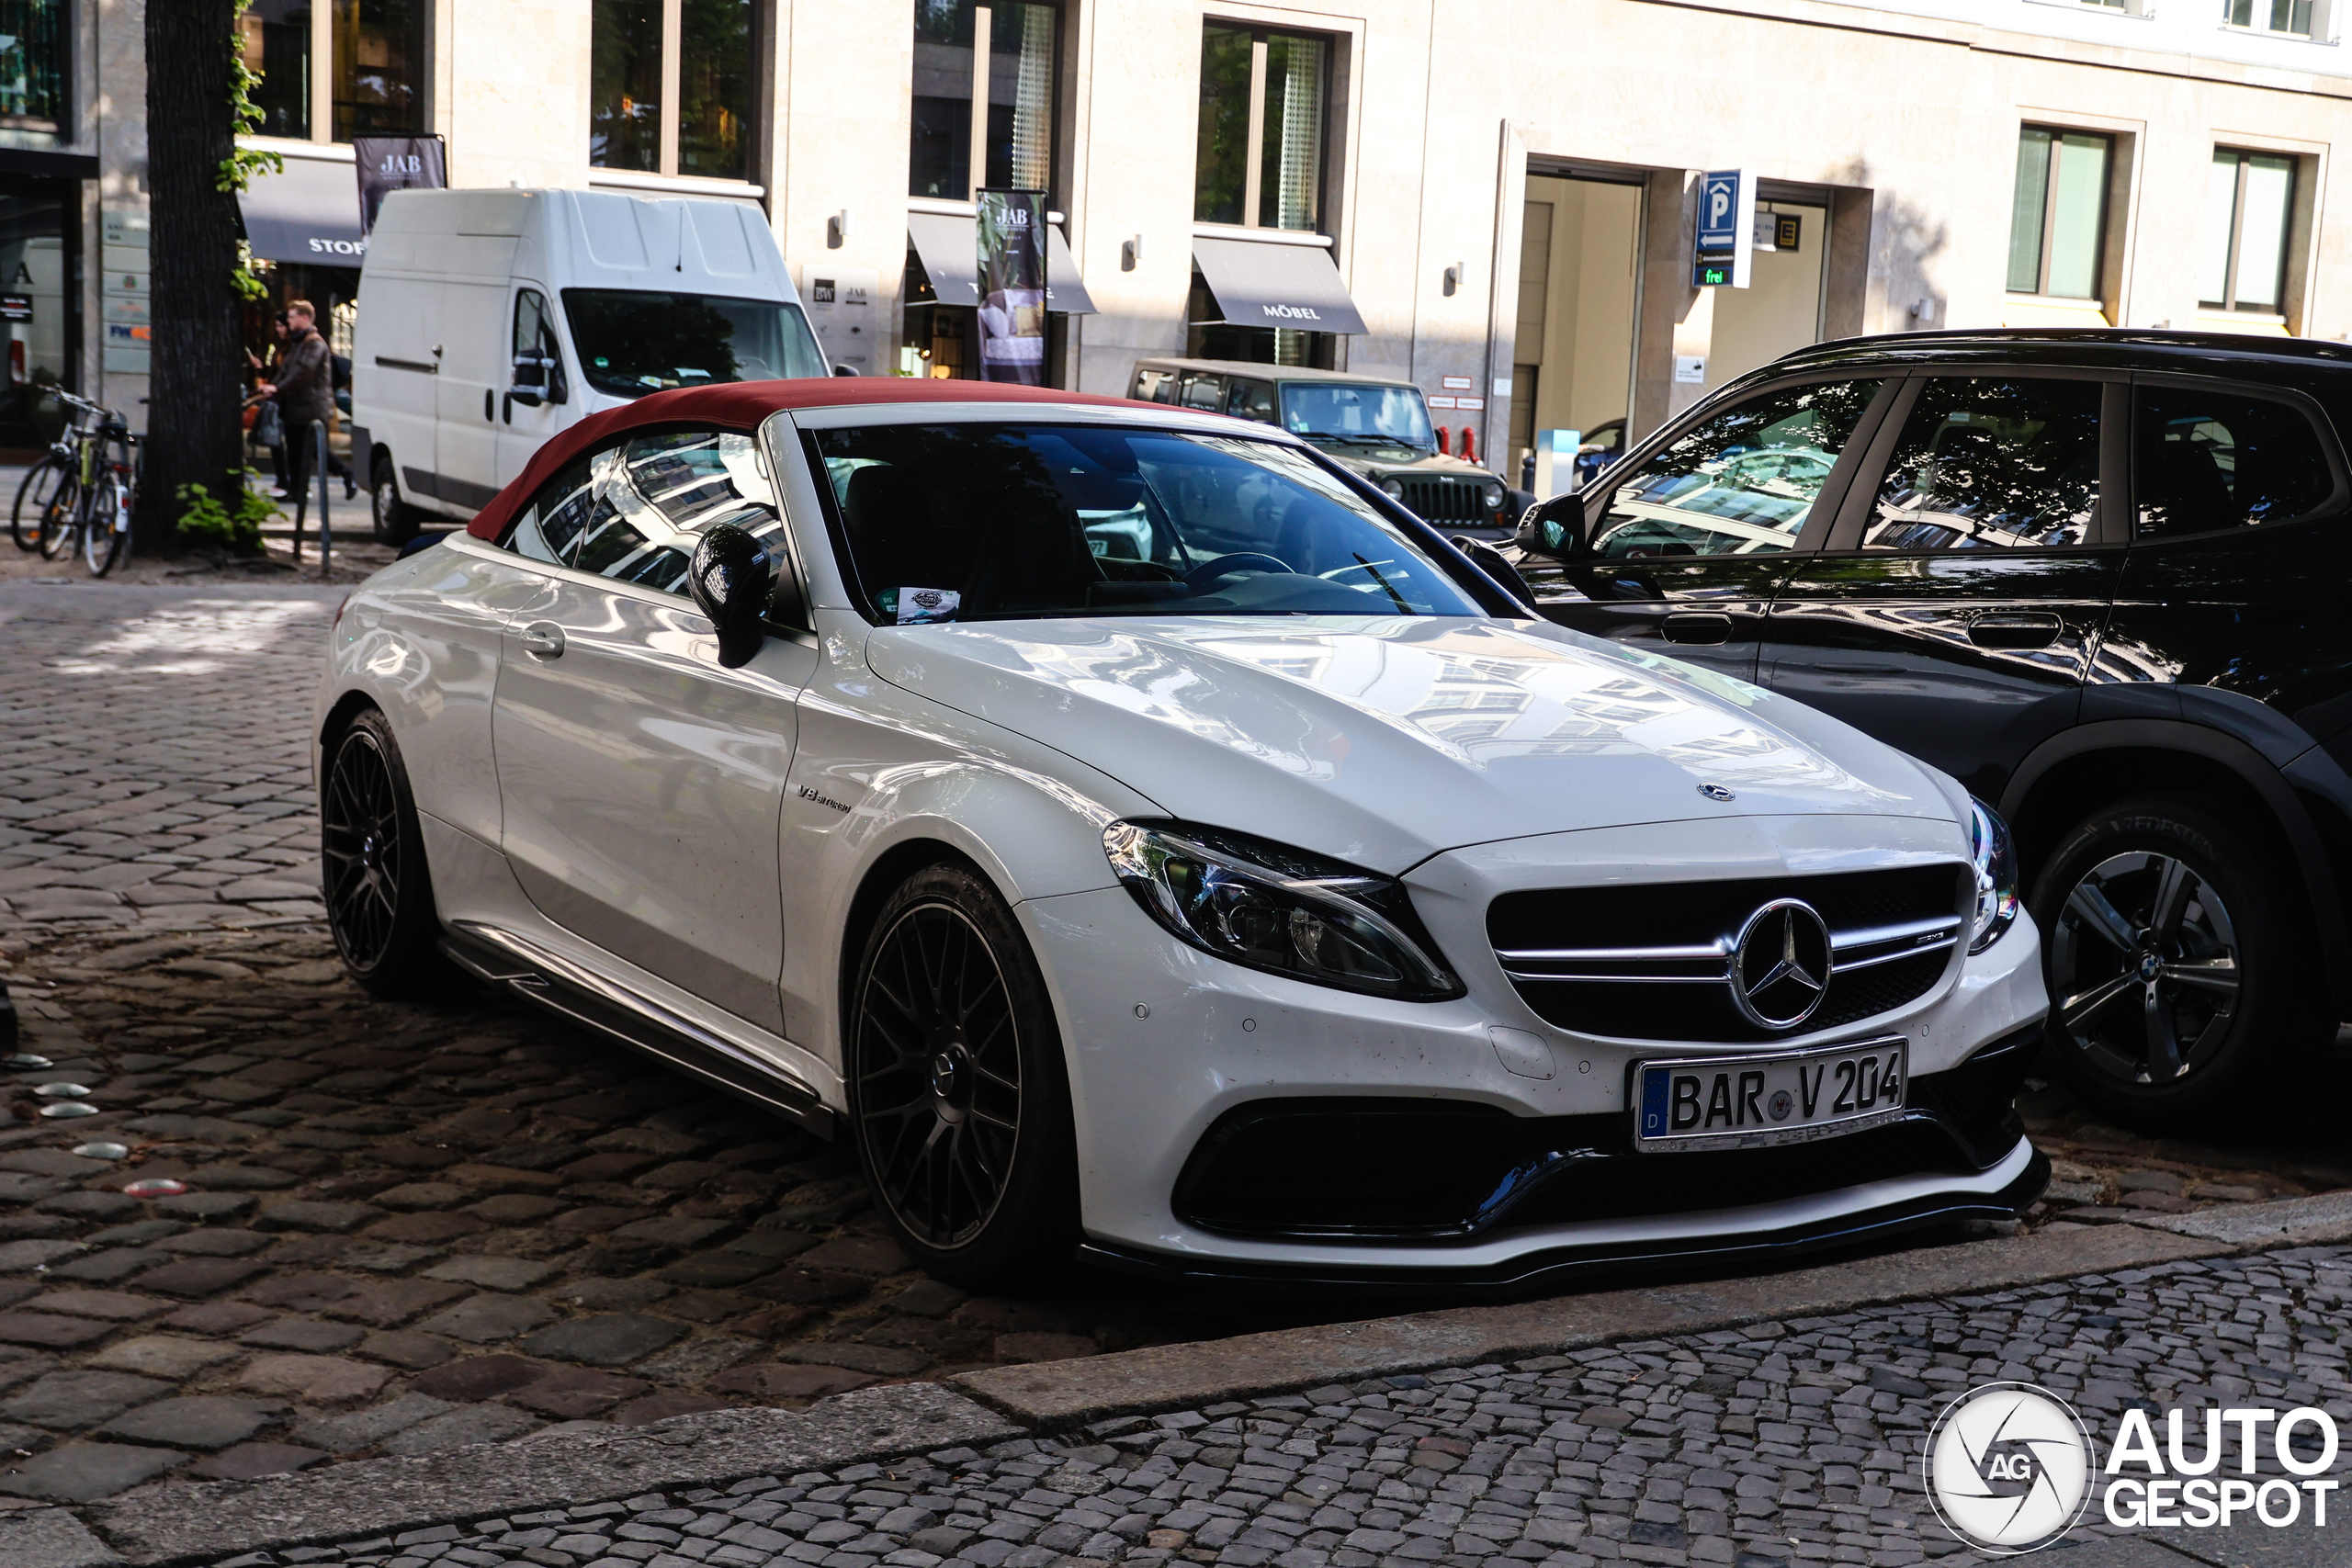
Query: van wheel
x=2178 y=962
x=392 y=519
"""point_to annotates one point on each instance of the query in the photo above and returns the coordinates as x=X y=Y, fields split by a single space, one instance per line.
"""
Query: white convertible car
x=1143 y=837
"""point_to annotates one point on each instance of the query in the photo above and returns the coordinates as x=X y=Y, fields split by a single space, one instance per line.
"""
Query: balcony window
x=1265 y=98
x=375 y=50
x=2058 y=214
x=2249 y=212
x=984 y=97
x=654 y=114
x=2292 y=18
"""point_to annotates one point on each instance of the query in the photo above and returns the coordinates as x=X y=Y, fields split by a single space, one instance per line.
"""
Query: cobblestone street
x=1781 y=1443
x=410 y=1228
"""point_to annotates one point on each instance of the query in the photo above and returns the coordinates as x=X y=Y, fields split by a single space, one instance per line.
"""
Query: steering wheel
x=1208 y=572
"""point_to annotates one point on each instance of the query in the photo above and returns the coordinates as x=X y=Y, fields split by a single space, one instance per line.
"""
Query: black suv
x=2095 y=576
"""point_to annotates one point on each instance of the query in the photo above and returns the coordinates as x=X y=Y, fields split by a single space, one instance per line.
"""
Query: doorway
x=1780 y=307
x=1579 y=272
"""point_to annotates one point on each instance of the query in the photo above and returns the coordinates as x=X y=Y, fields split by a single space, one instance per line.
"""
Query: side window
x=664 y=490
x=1989 y=465
x=550 y=528
x=534 y=332
x=1205 y=393
x=1146 y=385
x=2203 y=461
x=1742 y=483
x=1250 y=399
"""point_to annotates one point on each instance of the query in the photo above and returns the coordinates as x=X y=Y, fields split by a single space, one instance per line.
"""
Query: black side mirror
x=731 y=575
x=843 y=371
x=538 y=378
x=1496 y=565
x=1554 y=527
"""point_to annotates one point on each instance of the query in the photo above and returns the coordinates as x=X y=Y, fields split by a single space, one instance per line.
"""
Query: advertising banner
x=388 y=164
x=1011 y=246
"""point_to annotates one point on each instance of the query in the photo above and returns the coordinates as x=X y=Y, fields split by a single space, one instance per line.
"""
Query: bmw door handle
x=542 y=640
x=1696 y=630
x=2016 y=633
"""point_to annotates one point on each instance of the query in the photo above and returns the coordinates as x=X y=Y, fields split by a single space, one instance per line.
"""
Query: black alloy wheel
x=2174 y=962
x=379 y=894
x=958 y=1097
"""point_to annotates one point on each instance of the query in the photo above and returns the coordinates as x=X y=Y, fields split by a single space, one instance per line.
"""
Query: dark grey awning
x=1269 y=284
x=309 y=213
x=949 y=246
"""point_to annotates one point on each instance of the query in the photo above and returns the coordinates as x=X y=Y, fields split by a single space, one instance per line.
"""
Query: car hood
x=1374 y=465
x=1384 y=740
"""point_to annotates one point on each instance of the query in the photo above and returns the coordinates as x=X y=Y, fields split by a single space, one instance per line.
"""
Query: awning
x=950 y=248
x=1267 y=284
x=309 y=213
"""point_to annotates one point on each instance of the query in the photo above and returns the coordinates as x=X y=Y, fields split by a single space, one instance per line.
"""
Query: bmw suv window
x=2215 y=458
x=1988 y=464
x=971 y=521
x=1741 y=483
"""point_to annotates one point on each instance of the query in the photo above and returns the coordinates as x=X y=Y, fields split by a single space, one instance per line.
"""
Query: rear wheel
x=40 y=483
x=392 y=520
x=379 y=894
x=2177 y=961
x=106 y=538
x=958 y=1098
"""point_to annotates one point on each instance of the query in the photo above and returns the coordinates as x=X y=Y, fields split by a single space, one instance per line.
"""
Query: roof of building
x=742 y=406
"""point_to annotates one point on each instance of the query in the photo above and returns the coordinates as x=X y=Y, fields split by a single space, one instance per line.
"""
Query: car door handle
x=1695 y=630
x=2015 y=633
x=542 y=640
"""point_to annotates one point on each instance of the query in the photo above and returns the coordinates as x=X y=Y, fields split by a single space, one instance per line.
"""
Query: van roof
x=1260 y=372
x=588 y=238
x=743 y=405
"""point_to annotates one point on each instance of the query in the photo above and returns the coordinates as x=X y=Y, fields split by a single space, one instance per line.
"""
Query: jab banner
x=388 y=164
x=1012 y=232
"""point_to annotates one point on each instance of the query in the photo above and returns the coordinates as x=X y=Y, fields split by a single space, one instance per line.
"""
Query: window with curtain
x=379 y=67
x=2290 y=17
x=2058 y=214
x=636 y=121
x=1004 y=58
x=33 y=65
x=2249 y=212
x=1265 y=99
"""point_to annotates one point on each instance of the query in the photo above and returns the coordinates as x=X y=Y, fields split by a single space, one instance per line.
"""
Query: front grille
x=1447 y=500
x=1653 y=962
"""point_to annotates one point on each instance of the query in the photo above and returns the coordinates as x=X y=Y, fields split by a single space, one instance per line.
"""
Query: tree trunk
x=193 y=432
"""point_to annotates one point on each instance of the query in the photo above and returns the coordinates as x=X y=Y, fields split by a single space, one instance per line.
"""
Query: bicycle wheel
x=61 y=519
x=106 y=533
x=32 y=499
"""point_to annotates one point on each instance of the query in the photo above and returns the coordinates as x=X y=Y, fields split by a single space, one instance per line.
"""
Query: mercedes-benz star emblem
x=1715 y=793
x=1780 y=969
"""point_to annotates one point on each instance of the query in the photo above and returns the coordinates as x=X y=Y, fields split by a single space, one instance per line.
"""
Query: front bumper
x=1168 y=1047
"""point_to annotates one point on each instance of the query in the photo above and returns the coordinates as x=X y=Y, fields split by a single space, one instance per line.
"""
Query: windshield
x=983 y=522
x=1335 y=409
x=632 y=341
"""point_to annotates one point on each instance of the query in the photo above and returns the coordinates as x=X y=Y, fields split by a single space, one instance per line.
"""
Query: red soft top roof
x=741 y=405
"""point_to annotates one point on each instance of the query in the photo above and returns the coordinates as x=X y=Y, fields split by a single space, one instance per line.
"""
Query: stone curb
x=178 y=1523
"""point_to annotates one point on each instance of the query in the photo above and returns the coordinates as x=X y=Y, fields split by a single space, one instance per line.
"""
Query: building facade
x=1503 y=192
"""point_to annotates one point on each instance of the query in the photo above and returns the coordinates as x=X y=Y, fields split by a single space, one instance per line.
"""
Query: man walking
x=304 y=390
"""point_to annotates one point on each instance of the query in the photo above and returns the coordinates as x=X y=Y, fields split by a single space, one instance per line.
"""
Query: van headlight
x=1995 y=860
x=1280 y=910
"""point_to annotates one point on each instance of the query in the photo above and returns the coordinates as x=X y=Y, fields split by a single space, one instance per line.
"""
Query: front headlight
x=1996 y=875
x=1493 y=498
x=1280 y=910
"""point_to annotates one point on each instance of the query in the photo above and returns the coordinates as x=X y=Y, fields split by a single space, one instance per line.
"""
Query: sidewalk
x=354 y=555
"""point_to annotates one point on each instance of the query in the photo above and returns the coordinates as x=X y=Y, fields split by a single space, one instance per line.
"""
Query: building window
x=1265 y=97
x=655 y=113
x=2058 y=218
x=375 y=85
x=2292 y=18
x=984 y=97
x=33 y=71
x=2250 y=212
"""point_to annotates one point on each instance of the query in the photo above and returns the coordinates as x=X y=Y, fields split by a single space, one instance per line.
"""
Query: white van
x=489 y=319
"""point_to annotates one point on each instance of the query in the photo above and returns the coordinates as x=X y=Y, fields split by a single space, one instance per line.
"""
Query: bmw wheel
x=379 y=895
x=2175 y=962
x=958 y=1097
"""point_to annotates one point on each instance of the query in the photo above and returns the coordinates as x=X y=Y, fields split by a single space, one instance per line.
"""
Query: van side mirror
x=538 y=378
x=843 y=371
x=732 y=576
x=1554 y=527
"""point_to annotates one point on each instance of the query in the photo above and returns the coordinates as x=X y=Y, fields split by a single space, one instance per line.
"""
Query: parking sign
x=1726 y=214
x=1719 y=210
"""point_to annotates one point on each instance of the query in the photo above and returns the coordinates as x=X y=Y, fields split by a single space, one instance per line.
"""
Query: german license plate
x=1783 y=1098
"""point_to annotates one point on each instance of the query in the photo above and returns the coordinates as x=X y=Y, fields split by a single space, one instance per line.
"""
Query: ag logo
x=2008 y=1468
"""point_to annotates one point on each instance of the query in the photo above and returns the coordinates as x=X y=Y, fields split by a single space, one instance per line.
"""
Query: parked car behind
x=1369 y=425
x=2095 y=576
x=490 y=319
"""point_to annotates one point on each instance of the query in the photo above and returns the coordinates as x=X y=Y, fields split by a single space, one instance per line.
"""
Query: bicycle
x=51 y=488
x=94 y=497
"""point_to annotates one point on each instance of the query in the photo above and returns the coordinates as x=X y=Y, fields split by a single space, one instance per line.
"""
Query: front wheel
x=61 y=519
x=379 y=893
x=2177 y=961
x=958 y=1098
x=106 y=538
x=33 y=496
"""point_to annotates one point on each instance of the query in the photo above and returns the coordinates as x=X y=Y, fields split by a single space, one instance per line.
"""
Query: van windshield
x=632 y=341
x=1349 y=415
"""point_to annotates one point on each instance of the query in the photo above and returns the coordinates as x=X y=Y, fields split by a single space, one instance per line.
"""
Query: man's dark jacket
x=305 y=389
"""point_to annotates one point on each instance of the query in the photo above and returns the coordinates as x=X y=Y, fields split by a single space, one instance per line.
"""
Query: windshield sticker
x=913 y=606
